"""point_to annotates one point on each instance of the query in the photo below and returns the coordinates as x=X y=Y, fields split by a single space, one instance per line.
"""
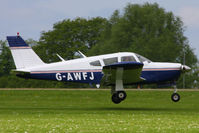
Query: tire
x=175 y=97
x=121 y=95
x=115 y=99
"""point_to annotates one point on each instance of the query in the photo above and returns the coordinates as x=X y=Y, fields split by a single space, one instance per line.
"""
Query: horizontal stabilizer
x=19 y=71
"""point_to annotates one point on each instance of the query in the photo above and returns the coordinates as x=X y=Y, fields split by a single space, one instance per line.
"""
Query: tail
x=23 y=55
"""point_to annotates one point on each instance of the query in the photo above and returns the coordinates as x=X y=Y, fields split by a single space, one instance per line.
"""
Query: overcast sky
x=31 y=17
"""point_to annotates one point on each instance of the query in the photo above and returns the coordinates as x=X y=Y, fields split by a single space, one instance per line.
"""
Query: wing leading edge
x=128 y=72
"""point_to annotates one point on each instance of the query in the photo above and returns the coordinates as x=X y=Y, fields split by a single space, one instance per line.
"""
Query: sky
x=31 y=17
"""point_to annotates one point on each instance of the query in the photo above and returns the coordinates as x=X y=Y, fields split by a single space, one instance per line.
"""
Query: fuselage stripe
x=65 y=71
x=160 y=69
x=99 y=70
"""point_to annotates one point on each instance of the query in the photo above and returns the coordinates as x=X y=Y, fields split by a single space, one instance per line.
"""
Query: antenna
x=82 y=54
x=60 y=57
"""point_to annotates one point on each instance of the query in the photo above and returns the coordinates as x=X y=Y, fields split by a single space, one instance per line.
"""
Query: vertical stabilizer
x=23 y=55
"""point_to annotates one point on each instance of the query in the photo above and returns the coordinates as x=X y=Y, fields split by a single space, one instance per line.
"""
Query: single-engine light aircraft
x=115 y=70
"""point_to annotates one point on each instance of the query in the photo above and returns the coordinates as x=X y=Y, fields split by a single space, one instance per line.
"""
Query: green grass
x=92 y=111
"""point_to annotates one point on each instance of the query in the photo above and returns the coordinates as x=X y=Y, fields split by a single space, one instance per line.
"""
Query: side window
x=95 y=63
x=109 y=61
x=127 y=58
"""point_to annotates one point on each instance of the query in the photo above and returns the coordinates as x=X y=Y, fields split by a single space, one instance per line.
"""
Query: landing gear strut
x=175 y=96
x=117 y=90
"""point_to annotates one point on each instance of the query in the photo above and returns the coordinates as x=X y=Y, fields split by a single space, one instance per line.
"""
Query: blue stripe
x=16 y=41
x=89 y=77
x=160 y=76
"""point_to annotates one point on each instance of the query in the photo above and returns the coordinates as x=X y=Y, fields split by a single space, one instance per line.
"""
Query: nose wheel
x=175 y=97
x=118 y=96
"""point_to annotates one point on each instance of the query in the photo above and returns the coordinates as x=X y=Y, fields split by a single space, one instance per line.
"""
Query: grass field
x=92 y=111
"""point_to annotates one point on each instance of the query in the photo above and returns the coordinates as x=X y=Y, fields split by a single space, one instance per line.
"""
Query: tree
x=6 y=61
x=32 y=42
x=69 y=36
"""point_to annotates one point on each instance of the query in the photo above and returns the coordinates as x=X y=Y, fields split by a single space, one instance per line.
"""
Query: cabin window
x=109 y=61
x=95 y=63
x=127 y=58
x=143 y=59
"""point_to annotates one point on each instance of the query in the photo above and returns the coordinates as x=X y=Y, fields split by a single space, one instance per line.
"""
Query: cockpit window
x=95 y=63
x=143 y=59
x=127 y=58
x=109 y=61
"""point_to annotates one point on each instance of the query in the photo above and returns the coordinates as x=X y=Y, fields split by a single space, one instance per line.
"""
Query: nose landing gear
x=175 y=96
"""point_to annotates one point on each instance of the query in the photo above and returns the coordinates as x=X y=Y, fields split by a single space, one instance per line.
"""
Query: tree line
x=144 y=29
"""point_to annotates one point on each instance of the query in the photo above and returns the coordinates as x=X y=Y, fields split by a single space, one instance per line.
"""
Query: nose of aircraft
x=185 y=68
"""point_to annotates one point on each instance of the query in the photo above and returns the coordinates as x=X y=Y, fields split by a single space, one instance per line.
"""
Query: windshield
x=143 y=59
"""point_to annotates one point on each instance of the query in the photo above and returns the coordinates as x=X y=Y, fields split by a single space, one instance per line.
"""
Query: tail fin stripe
x=16 y=41
x=20 y=47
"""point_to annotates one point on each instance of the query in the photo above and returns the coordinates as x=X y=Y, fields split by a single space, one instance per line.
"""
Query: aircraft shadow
x=95 y=109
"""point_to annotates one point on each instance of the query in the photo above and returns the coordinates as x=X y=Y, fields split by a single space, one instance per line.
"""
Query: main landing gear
x=175 y=96
x=117 y=90
x=118 y=93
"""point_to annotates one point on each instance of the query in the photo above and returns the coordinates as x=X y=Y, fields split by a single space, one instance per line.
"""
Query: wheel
x=121 y=95
x=115 y=99
x=175 y=97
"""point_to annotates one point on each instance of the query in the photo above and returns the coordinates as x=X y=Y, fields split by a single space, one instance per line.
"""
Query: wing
x=128 y=72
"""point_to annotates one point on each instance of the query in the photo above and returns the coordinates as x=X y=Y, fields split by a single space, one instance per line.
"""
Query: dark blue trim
x=89 y=78
x=129 y=64
x=160 y=76
x=16 y=41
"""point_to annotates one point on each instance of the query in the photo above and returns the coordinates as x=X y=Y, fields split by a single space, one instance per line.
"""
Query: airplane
x=115 y=70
